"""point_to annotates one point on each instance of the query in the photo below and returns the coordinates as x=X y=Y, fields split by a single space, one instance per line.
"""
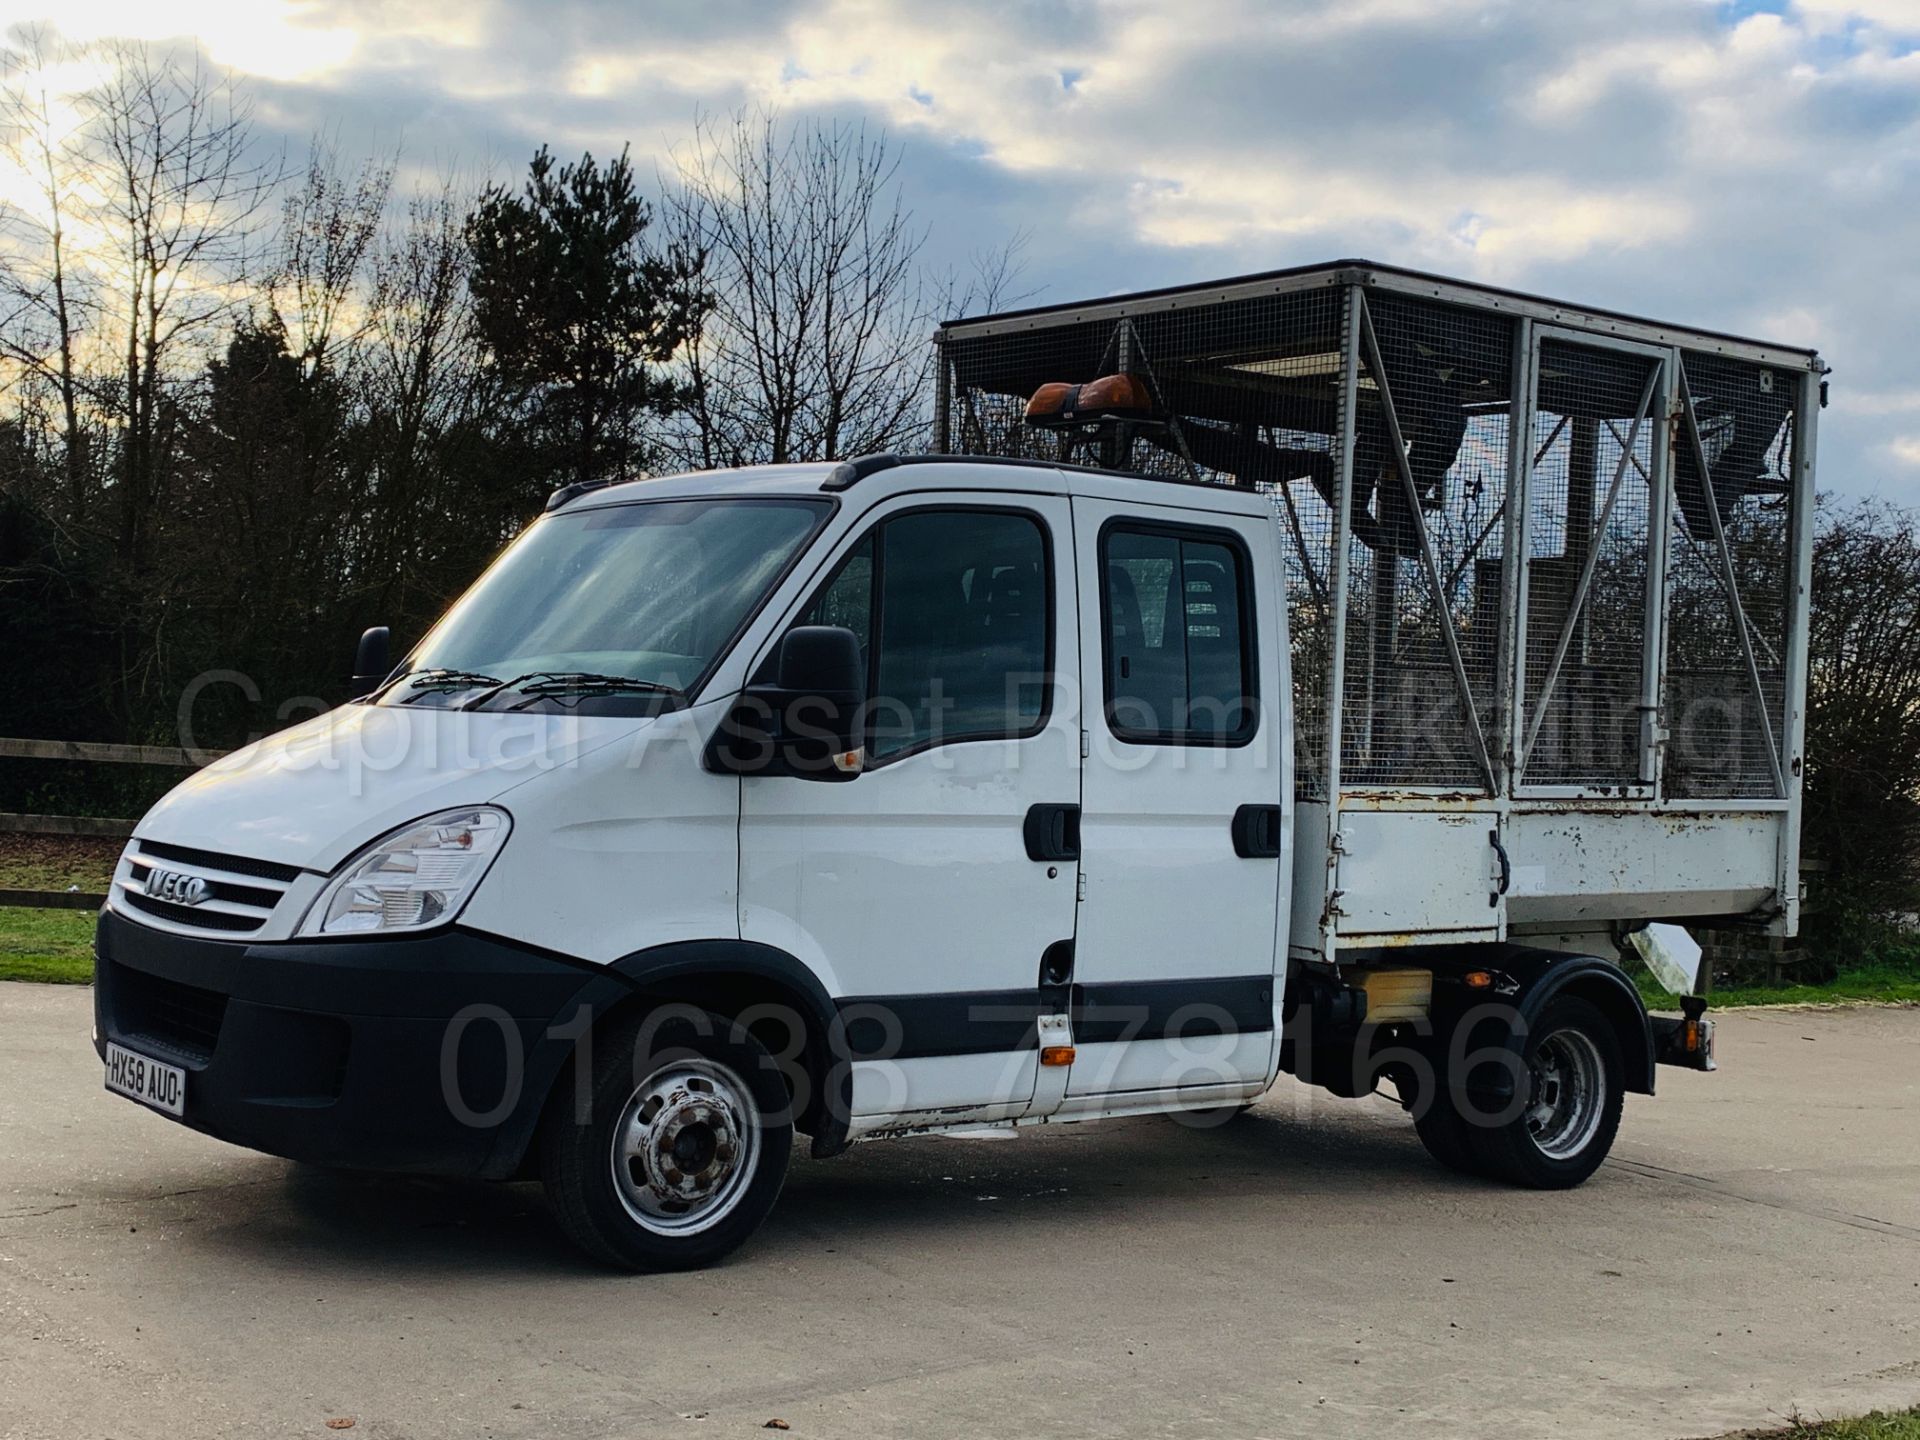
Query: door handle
x=1256 y=832
x=1056 y=965
x=1052 y=832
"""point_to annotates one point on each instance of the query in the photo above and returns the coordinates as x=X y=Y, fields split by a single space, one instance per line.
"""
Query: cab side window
x=847 y=599
x=952 y=609
x=1178 y=631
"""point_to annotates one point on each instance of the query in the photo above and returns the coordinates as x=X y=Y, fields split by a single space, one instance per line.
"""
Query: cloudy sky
x=1748 y=165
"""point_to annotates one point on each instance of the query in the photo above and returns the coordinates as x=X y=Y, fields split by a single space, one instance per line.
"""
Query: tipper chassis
x=1547 y=575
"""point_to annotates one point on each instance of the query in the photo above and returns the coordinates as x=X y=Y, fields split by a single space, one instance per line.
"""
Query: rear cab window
x=1178 y=629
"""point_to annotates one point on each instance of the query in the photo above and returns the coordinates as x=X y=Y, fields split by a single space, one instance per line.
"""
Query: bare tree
x=284 y=421
x=816 y=342
x=180 y=184
x=426 y=355
x=998 y=278
x=329 y=226
x=45 y=303
x=423 y=392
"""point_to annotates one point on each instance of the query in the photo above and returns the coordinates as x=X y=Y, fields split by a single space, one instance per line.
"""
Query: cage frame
x=1505 y=752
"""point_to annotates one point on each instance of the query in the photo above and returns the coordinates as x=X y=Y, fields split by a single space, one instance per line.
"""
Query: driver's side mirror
x=806 y=722
x=372 y=659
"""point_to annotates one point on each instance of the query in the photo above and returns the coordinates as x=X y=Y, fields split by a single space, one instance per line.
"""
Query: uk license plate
x=151 y=1082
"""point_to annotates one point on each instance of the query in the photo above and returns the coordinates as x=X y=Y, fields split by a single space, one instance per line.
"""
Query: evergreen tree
x=578 y=317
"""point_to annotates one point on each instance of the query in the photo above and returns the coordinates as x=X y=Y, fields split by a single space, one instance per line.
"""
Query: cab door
x=916 y=890
x=1184 y=836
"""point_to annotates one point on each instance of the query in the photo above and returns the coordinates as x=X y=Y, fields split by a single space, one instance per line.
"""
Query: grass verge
x=56 y=862
x=47 y=945
x=1880 y=1425
x=1891 y=981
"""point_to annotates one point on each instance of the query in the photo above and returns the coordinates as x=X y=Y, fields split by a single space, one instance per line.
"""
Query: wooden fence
x=82 y=825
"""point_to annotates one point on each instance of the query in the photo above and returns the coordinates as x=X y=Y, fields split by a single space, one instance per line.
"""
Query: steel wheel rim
x=685 y=1146
x=1569 y=1086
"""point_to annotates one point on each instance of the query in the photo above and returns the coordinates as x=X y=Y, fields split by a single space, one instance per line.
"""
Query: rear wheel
x=1568 y=1111
x=1445 y=1132
x=680 y=1150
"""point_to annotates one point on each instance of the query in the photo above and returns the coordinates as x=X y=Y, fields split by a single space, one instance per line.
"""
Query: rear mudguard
x=1330 y=1041
x=1525 y=981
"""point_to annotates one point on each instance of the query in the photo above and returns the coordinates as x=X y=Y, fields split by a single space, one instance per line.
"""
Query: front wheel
x=680 y=1150
x=1568 y=1111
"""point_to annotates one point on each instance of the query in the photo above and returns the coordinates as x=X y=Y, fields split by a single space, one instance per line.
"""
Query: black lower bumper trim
x=412 y=1054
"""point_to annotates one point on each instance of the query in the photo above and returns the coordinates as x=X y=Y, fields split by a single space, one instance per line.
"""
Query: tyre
x=1445 y=1134
x=680 y=1150
x=1573 y=1093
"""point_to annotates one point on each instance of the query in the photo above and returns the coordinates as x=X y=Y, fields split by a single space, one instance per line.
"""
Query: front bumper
x=427 y=1054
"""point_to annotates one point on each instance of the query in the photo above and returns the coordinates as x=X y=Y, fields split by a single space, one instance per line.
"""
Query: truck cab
x=1044 y=879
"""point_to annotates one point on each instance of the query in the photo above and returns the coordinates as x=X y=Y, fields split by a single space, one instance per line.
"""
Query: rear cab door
x=1185 y=837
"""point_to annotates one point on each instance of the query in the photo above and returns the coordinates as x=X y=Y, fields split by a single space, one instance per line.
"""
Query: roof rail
x=567 y=494
x=851 y=472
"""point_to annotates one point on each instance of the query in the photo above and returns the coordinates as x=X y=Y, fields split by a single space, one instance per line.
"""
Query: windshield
x=614 y=610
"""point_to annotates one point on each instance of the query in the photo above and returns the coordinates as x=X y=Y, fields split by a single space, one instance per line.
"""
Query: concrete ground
x=1753 y=1249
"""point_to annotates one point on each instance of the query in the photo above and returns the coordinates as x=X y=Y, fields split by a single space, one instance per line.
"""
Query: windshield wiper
x=587 y=682
x=537 y=683
x=440 y=677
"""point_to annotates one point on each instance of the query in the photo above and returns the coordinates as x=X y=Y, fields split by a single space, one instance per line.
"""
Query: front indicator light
x=412 y=879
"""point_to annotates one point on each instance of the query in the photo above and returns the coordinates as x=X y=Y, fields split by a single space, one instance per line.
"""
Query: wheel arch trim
x=646 y=973
x=1544 y=975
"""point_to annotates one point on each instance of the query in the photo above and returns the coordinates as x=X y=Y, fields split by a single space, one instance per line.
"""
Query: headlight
x=414 y=878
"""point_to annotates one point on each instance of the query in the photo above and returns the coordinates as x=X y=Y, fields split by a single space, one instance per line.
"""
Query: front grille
x=237 y=894
x=192 y=915
x=181 y=1018
x=232 y=864
x=256 y=895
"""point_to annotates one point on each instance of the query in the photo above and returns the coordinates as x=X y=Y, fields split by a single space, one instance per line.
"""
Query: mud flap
x=1672 y=955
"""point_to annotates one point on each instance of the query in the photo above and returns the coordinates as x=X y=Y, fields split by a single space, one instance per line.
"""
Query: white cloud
x=275 y=39
x=1899 y=16
x=1760 y=175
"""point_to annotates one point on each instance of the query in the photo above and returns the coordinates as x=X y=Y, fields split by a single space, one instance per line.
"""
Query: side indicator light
x=1056 y=1055
x=1478 y=979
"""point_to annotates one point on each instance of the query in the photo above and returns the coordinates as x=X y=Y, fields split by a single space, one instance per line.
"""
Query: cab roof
x=887 y=474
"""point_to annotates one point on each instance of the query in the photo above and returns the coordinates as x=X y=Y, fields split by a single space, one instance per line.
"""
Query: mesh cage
x=1247 y=392
x=1246 y=388
x=1728 y=577
x=1425 y=567
x=1596 y=429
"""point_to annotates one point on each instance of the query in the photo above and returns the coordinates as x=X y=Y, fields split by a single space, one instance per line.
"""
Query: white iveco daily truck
x=1326 y=672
